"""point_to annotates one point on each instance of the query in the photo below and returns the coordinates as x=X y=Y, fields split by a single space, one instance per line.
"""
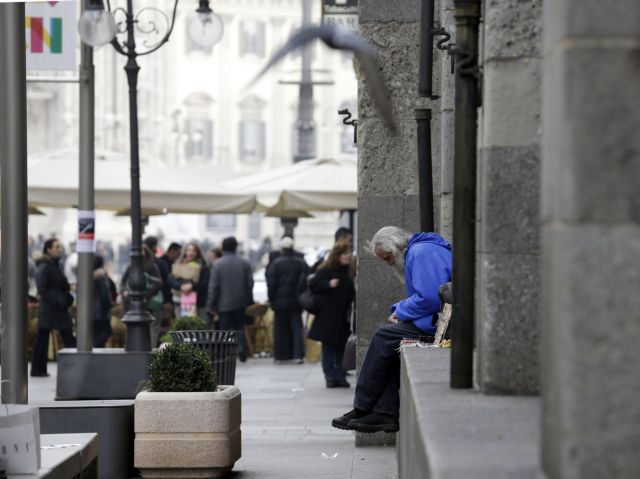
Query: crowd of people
x=218 y=288
x=181 y=281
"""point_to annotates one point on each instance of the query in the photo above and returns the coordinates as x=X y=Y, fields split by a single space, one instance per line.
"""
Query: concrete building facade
x=195 y=109
x=557 y=228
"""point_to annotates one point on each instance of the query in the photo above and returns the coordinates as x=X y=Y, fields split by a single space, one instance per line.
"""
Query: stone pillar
x=387 y=163
x=509 y=192
x=591 y=240
x=447 y=96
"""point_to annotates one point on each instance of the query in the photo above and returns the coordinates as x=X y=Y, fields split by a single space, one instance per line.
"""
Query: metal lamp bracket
x=438 y=31
x=353 y=123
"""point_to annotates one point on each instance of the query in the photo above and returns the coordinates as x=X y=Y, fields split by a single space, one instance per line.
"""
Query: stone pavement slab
x=286 y=425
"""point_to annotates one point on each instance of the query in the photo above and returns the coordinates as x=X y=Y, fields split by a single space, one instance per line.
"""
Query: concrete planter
x=187 y=435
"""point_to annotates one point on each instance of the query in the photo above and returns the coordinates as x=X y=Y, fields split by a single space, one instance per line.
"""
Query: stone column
x=447 y=96
x=509 y=192
x=591 y=239
x=387 y=163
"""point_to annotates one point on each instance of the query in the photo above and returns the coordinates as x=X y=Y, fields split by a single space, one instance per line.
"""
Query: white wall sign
x=340 y=12
x=50 y=34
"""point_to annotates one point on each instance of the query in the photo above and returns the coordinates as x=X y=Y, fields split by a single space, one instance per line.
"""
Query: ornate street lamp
x=98 y=27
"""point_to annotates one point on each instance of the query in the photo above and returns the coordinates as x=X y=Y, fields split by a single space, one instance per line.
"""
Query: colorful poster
x=86 y=242
x=50 y=34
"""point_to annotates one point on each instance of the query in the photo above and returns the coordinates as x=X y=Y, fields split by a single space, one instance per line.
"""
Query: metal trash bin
x=220 y=346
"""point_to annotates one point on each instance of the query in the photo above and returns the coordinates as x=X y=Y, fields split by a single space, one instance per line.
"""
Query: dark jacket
x=286 y=277
x=153 y=284
x=54 y=295
x=164 y=266
x=103 y=288
x=275 y=254
x=331 y=324
x=200 y=287
x=230 y=284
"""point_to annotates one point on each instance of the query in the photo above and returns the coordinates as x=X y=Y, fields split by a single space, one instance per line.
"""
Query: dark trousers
x=234 y=321
x=288 y=342
x=378 y=384
x=41 y=347
x=102 y=332
x=332 y=362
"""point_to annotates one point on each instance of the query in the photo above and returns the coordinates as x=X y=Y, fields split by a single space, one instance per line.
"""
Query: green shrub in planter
x=188 y=323
x=181 y=368
x=166 y=338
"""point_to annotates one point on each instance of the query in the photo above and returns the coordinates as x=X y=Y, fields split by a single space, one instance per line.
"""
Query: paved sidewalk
x=286 y=431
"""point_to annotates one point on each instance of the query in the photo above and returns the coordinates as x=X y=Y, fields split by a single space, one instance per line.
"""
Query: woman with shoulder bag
x=103 y=294
x=189 y=275
x=55 y=299
x=331 y=324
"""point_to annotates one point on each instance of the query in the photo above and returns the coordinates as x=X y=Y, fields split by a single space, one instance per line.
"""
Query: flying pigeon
x=340 y=38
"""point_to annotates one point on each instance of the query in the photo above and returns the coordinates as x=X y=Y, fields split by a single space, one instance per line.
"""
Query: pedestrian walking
x=231 y=291
x=104 y=292
x=189 y=281
x=55 y=299
x=331 y=326
x=153 y=284
x=286 y=278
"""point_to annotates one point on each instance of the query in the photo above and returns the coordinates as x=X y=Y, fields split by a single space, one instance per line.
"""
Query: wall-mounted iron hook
x=442 y=32
x=346 y=120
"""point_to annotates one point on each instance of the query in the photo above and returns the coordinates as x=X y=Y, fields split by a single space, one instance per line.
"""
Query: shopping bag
x=349 y=358
x=189 y=304
x=313 y=349
x=19 y=439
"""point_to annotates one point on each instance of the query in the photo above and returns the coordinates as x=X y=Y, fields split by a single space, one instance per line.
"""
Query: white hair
x=394 y=240
x=389 y=239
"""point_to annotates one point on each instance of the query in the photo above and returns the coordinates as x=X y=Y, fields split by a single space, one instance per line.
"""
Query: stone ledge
x=447 y=433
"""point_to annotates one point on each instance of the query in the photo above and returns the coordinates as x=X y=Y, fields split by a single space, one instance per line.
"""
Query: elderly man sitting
x=423 y=262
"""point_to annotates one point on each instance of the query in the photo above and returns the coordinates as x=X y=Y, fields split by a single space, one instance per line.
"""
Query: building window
x=252 y=141
x=199 y=139
x=224 y=223
x=252 y=38
x=252 y=130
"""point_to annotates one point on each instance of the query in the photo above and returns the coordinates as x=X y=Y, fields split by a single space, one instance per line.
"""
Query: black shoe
x=375 y=422
x=342 y=422
x=338 y=383
x=242 y=356
x=40 y=375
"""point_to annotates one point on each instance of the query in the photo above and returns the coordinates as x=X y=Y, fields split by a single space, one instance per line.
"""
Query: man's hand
x=334 y=283
x=212 y=312
x=186 y=287
x=393 y=318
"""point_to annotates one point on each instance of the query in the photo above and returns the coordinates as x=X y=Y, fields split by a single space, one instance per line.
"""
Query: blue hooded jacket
x=428 y=265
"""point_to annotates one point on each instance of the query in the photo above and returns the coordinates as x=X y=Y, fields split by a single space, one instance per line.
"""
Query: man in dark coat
x=164 y=264
x=286 y=277
x=275 y=254
x=54 y=301
x=231 y=291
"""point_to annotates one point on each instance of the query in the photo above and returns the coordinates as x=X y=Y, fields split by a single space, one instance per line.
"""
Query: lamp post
x=97 y=27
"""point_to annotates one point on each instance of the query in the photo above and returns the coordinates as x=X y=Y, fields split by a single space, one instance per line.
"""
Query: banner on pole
x=86 y=242
x=50 y=34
